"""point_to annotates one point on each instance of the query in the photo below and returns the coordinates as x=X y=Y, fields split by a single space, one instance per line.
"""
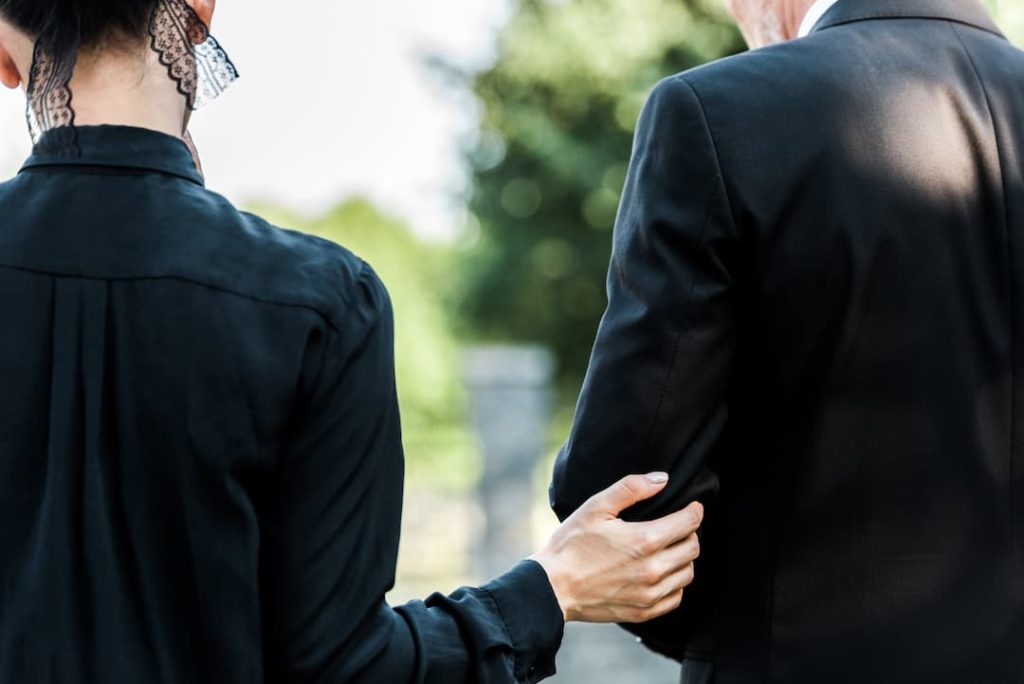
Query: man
x=814 y=324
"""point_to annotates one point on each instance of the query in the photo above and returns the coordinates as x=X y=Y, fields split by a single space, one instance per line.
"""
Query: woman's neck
x=128 y=90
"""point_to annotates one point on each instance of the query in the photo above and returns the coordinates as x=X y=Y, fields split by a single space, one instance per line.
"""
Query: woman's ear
x=10 y=76
x=204 y=10
x=15 y=56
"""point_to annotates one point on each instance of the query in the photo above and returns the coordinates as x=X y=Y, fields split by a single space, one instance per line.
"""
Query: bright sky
x=334 y=100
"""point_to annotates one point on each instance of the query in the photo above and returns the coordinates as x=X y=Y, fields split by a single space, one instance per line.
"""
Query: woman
x=200 y=454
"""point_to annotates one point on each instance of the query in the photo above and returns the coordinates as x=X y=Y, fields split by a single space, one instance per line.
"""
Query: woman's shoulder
x=271 y=263
x=330 y=270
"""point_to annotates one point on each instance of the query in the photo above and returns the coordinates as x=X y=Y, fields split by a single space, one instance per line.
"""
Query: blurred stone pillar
x=510 y=404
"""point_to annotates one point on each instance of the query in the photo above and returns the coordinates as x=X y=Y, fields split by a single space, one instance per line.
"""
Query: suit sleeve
x=330 y=531
x=655 y=392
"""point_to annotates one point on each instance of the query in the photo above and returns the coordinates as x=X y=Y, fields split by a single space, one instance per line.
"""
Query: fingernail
x=657 y=478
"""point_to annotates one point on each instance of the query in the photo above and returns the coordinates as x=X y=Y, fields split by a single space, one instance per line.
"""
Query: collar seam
x=824 y=25
x=84 y=166
x=117 y=146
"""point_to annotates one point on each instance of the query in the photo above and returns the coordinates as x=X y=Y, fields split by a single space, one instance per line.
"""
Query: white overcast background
x=334 y=101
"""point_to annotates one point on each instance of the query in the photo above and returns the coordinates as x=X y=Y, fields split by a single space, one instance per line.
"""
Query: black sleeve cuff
x=533 y=618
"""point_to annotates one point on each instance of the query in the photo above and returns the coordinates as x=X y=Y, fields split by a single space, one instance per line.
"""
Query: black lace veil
x=194 y=60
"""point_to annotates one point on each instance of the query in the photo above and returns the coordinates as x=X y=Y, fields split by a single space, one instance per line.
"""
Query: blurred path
x=606 y=654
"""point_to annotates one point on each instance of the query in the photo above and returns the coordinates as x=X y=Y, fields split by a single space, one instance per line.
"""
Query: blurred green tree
x=558 y=108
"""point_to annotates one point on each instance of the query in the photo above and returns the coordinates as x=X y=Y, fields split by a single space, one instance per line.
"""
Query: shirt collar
x=814 y=15
x=968 y=12
x=119 y=147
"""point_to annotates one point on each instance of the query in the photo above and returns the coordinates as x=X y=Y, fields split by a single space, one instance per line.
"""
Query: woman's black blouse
x=200 y=453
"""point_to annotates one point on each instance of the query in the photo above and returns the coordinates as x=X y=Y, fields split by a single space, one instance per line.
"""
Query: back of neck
x=127 y=90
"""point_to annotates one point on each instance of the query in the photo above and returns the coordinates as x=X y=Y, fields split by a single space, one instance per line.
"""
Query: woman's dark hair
x=62 y=27
x=91 y=21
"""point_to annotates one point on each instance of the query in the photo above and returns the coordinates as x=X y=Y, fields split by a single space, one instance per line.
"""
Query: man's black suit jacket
x=816 y=325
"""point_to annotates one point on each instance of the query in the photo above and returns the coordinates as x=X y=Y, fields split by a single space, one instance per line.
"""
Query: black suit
x=816 y=325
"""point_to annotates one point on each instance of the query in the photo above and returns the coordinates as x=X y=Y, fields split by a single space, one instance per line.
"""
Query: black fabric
x=200 y=453
x=697 y=672
x=816 y=301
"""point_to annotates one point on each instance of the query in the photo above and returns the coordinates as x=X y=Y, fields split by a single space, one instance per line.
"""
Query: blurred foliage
x=558 y=108
x=439 y=448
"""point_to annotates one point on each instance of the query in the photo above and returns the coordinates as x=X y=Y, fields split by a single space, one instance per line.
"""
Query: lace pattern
x=49 y=96
x=195 y=61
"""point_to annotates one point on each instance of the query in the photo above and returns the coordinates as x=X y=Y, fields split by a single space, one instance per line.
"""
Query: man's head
x=766 y=22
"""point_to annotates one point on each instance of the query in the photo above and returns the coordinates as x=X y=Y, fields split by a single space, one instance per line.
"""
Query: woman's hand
x=603 y=569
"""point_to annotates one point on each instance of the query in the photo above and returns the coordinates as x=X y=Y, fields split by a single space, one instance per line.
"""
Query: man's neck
x=813 y=15
x=767 y=23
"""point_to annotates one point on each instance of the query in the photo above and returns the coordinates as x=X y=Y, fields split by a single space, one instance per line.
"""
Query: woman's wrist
x=561 y=584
